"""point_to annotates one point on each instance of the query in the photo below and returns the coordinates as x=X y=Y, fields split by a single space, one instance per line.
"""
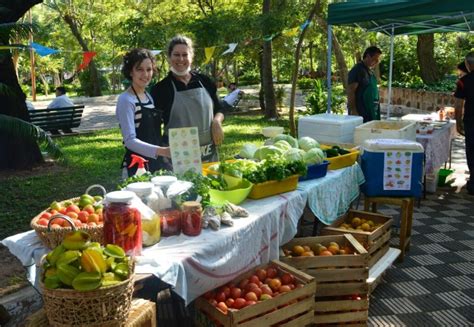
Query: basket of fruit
x=85 y=213
x=86 y=284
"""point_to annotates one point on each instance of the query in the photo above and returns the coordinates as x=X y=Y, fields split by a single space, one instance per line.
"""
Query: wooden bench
x=56 y=119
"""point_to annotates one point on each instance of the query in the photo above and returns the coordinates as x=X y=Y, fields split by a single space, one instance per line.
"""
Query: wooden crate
x=376 y=242
x=336 y=310
x=142 y=314
x=294 y=308
x=335 y=275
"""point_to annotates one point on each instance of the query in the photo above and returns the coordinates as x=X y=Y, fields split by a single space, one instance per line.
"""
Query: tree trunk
x=94 y=74
x=15 y=152
x=261 y=92
x=425 y=52
x=341 y=62
x=294 y=77
x=267 y=81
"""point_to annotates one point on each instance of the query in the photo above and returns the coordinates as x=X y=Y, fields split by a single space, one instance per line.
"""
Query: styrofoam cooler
x=386 y=129
x=329 y=127
x=373 y=166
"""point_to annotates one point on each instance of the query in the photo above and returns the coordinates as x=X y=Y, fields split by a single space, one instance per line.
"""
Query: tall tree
x=267 y=75
x=425 y=52
x=16 y=152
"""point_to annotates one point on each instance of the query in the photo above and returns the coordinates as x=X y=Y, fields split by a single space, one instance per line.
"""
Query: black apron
x=148 y=131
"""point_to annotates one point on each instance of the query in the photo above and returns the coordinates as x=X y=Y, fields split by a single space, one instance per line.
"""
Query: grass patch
x=96 y=159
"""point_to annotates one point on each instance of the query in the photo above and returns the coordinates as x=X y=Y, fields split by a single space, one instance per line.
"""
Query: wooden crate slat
x=322 y=306
x=378 y=243
x=304 y=263
x=338 y=274
x=303 y=320
x=374 y=258
x=340 y=317
x=333 y=289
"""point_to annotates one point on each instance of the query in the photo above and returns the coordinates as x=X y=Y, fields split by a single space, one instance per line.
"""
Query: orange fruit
x=298 y=250
x=321 y=249
x=306 y=248
x=308 y=254
x=355 y=222
x=325 y=253
x=365 y=227
x=333 y=249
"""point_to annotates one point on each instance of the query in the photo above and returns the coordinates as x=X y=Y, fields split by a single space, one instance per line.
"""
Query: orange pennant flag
x=86 y=59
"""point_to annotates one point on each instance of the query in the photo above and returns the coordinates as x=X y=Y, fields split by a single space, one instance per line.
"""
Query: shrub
x=305 y=83
x=316 y=100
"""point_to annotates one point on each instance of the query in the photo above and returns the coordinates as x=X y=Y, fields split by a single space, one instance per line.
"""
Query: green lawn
x=95 y=159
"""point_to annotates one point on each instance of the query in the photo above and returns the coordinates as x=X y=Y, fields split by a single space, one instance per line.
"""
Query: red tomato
x=254 y=279
x=262 y=274
x=272 y=272
x=222 y=306
x=220 y=297
x=213 y=302
x=226 y=290
x=239 y=303
x=53 y=212
x=275 y=284
x=89 y=208
x=93 y=218
x=77 y=223
x=266 y=289
x=230 y=302
x=82 y=216
x=284 y=289
x=267 y=281
x=243 y=282
x=292 y=286
x=42 y=222
x=356 y=297
x=256 y=290
x=62 y=210
x=235 y=292
x=287 y=278
x=46 y=215
x=72 y=214
x=73 y=208
x=251 y=296
x=250 y=286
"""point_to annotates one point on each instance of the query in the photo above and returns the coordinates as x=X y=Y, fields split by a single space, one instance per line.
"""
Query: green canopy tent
x=399 y=17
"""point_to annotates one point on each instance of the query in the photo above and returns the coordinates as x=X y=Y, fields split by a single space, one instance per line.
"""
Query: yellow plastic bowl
x=236 y=196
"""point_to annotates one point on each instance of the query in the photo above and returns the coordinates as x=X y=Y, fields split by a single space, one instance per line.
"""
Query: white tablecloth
x=195 y=265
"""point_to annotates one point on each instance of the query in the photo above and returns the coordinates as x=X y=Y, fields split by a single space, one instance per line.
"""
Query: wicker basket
x=53 y=237
x=106 y=306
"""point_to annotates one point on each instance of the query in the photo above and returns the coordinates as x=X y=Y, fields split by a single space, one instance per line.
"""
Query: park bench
x=56 y=119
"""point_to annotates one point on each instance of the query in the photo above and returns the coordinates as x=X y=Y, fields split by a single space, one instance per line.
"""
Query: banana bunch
x=83 y=265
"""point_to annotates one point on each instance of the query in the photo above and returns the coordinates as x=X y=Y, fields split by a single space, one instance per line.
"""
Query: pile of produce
x=84 y=211
x=335 y=151
x=263 y=285
x=83 y=265
x=318 y=249
x=360 y=224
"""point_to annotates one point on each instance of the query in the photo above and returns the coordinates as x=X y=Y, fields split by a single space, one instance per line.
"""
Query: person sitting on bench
x=230 y=101
x=61 y=101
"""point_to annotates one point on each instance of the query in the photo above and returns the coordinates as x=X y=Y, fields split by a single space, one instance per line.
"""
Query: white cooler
x=385 y=129
x=329 y=127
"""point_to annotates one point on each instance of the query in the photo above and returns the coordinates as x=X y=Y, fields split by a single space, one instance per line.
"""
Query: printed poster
x=397 y=170
x=185 y=149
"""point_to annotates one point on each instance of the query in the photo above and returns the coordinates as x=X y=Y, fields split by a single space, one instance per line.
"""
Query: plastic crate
x=386 y=129
x=341 y=161
x=266 y=189
x=316 y=171
x=329 y=127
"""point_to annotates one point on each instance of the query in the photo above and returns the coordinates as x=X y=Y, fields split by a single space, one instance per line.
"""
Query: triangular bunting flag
x=156 y=52
x=231 y=48
x=42 y=50
x=87 y=57
x=209 y=52
x=305 y=24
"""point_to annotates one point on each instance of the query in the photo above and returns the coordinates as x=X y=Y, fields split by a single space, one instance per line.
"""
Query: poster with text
x=397 y=170
x=185 y=150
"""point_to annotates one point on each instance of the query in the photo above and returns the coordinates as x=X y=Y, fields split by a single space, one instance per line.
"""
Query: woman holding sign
x=188 y=99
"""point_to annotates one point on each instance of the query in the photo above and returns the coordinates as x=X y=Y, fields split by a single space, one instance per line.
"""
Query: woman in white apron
x=188 y=99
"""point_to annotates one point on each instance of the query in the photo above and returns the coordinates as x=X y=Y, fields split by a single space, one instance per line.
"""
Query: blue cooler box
x=404 y=162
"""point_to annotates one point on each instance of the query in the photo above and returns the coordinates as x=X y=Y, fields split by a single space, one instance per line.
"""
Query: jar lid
x=191 y=205
x=164 y=180
x=140 y=187
x=119 y=197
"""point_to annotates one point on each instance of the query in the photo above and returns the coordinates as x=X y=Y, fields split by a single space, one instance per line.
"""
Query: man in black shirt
x=362 y=90
x=464 y=99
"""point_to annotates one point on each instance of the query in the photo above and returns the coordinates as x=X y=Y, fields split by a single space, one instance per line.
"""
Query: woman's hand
x=164 y=152
x=217 y=132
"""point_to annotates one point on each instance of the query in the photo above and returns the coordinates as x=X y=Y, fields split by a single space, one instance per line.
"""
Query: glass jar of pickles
x=191 y=218
x=170 y=222
x=151 y=229
x=122 y=222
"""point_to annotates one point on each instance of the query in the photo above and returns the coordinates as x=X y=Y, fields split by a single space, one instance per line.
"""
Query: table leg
x=410 y=222
x=403 y=229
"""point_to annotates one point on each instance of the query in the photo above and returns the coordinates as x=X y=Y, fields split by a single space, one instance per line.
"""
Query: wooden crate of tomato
x=273 y=294
x=339 y=263
x=372 y=230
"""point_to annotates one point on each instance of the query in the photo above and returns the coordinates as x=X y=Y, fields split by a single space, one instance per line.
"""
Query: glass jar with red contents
x=170 y=222
x=122 y=222
x=191 y=218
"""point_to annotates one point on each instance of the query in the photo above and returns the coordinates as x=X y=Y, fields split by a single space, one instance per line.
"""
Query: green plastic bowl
x=235 y=196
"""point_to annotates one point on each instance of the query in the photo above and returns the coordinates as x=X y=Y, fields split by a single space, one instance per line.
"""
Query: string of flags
x=209 y=52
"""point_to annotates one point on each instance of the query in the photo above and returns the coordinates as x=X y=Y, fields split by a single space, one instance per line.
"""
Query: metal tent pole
x=328 y=73
x=389 y=100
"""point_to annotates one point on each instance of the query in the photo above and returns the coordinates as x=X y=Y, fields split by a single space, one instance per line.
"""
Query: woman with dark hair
x=187 y=98
x=139 y=121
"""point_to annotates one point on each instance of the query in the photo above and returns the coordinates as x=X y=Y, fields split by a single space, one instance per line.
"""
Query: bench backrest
x=57 y=118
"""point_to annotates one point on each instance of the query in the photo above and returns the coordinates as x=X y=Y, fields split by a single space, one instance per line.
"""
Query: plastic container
x=379 y=180
x=266 y=189
x=387 y=129
x=163 y=182
x=191 y=216
x=151 y=227
x=235 y=196
x=329 y=127
x=342 y=161
x=316 y=171
x=122 y=222
x=170 y=222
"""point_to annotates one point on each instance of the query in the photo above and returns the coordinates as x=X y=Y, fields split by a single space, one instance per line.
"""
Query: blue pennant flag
x=305 y=24
x=42 y=50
